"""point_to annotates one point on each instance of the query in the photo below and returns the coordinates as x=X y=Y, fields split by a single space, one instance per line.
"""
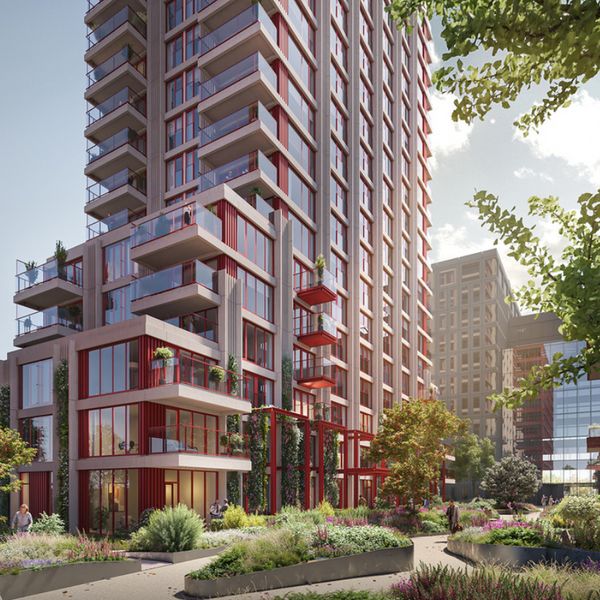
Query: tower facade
x=258 y=209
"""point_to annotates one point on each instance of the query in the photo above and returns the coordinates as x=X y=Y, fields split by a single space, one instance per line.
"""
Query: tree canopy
x=14 y=452
x=473 y=456
x=513 y=479
x=411 y=441
x=526 y=43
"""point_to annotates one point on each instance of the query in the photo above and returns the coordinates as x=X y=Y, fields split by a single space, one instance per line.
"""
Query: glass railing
x=237 y=120
x=173 y=278
x=126 y=14
x=306 y=280
x=125 y=96
x=247 y=66
x=68 y=316
x=202 y=4
x=176 y=219
x=192 y=439
x=28 y=277
x=198 y=325
x=251 y=15
x=308 y=323
x=314 y=370
x=237 y=168
x=102 y=226
x=93 y=4
x=116 y=181
x=264 y=207
x=121 y=138
x=123 y=56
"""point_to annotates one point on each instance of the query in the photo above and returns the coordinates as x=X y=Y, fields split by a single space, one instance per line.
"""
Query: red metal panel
x=151 y=415
x=83 y=373
x=282 y=36
x=228 y=264
x=273 y=462
x=321 y=454
x=307 y=464
x=84 y=434
x=152 y=488
x=83 y=521
x=39 y=493
x=282 y=170
x=228 y=215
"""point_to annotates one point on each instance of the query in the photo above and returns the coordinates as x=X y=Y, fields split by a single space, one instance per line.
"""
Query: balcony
x=197 y=440
x=185 y=232
x=315 y=375
x=48 y=285
x=242 y=174
x=242 y=132
x=121 y=191
x=126 y=68
x=125 y=148
x=229 y=42
x=249 y=81
x=182 y=289
x=96 y=9
x=315 y=287
x=125 y=27
x=99 y=227
x=49 y=324
x=198 y=325
x=315 y=330
x=125 y=109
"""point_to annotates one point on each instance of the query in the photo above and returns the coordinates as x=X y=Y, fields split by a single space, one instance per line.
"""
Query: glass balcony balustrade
x=110 y=184
x=28 y=276
x=174 y=220
x=198 y=325
x=237 y=120
x=121 y=98
x=121 y=138
x=67 y=316
x=262 y=205
x=251 y=64
x=125 y=15
x=253 y=14
x=99 y=227
x=192 y=439
x=173 y=278
x=122 y=57
x=236 y=168
x=315 y=374
x=315 y=287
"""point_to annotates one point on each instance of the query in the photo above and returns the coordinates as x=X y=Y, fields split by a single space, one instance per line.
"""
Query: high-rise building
x=232 y=146
x=470 y=324
x=552 y=430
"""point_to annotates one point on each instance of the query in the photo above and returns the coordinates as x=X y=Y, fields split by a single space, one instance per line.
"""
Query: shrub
x=578 y=509
x=50 y=524
x=169 y=530
x=333 y=541
x=326 y=509
x=438 y=582
x=433 y=527
x=514 y=536
x=235 y=517
x=580 y=583
x=433 y=516
x=340 y=595
x=215 y=539
x=473 y=518
x=292 y=514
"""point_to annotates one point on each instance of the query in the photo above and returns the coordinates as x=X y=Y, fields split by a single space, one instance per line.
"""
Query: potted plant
x=75 y=314
x=163 y=359
x=60 y=256
x=320 y=266
x=216 y=374
x=233 y=376
x=233 y=443
x=31 y=271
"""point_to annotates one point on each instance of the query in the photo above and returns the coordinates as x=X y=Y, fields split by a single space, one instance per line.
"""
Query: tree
x=513 y=479
x=527 y=43
x=554 y=41
x=14 y=452
x=473 y=456
x=410 y=440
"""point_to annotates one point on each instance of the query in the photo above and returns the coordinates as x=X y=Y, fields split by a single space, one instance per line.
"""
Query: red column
x=273 y=462
x=321 y=452
x=346 y=442
x=356 y=476
x=307 y=464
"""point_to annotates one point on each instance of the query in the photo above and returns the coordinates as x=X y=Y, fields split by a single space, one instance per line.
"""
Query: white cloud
x=435 y=59
x=451 y=241
x=571 y=134
x=527 y=173
x=448 y=136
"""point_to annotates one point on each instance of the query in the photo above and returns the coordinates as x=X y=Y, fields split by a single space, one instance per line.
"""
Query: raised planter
x=177 y=557
x=30 y=582
x=379 y=562
x=519 y=556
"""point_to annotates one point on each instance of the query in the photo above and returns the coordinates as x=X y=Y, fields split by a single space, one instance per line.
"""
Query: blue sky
x=42 y=117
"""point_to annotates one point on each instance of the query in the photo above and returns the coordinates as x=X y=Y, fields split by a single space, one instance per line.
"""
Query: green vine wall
x=4 y=422
x=258 y=431
x=234 y=490
x=61 y=389
x=287 y=373
x=330 y=462
x=291 y=442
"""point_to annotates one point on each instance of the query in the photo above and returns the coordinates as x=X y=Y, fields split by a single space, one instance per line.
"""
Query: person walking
x=453 y=514
x=224 y=506
x=22 y=521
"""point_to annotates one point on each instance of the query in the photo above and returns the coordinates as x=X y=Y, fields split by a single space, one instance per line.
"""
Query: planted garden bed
x=177 y=557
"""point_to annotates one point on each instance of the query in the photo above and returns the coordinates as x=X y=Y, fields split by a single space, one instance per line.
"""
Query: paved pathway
x=165 y=582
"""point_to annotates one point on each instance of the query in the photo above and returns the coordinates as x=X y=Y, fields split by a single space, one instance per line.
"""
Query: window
x=366 y=295
x=303 y=237
x=254 y=244
x=339 y=267
x=338 y=196
x=301 y=65
x=340 y=349
x=338 y=48
x=117 y=305
x=366 y=394
x=339 y=160
x=339 y=85
x=182 y=128
x=366 y=422
x=182 y=169
x=300 y=107
x=341 y=383
x=301 y=151
x=116 y=261
x=37 y=432
x=258 y=390
x=366 y=261
x=37 y=384
x=301 y=194
x=339 y=123
x=258 y=345
x=304 y=403
x=257 y=296
x=113 y=369
x=366 y=231
x=175 y=52
x=366 y=359
x=301 y=25
x=113 y=430
x=338 y=413
x=339 y=233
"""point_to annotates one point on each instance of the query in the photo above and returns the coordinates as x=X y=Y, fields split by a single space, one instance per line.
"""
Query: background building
x=230 y=144
x=471 y=322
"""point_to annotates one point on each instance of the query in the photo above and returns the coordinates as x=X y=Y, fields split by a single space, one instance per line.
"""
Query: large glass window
x=257 y=296
x=300 y=107
x=37 y=432
x=113 y=430
x=301 y=66
x=258 y=345
x=117 y=263
x=301 y=194
x=301 y=151
x=303 y=237
x=113 y=369
x=37 y=383
x=117 y=305
x=258 y=390
x=254 y=244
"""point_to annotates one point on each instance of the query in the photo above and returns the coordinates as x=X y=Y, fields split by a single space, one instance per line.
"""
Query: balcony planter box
x=379 y=562
x=177 y=557
x=518 y=556
x=30 y=582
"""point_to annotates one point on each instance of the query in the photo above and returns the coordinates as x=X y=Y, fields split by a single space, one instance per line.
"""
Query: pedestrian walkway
x=164 y=582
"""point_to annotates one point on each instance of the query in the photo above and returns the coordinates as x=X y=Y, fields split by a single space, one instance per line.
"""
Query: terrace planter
x=47 y=579
x=519 y=556
x=379 y=562
x=177 y=557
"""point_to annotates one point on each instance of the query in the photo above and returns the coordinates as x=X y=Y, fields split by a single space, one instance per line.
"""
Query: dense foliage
x=258 y=429
x=513 y=479
x=235 y=517
x=49 y=524
x=61 y=388
x=473 y=456
x=234 y=488
x=14 y=453
x=4 y=422
x=291 y=444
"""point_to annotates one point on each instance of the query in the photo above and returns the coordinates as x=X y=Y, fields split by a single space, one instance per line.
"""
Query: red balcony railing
x=315 y=374
x=315 y=329
x=191 y=439
x=315 y=287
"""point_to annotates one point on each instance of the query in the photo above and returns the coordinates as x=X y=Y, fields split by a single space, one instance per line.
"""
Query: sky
x=42 y=150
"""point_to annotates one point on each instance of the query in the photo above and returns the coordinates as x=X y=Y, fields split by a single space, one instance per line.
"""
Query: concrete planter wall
x=518 y=556
x=177 y=557
x=379 y=562
x=28 y=583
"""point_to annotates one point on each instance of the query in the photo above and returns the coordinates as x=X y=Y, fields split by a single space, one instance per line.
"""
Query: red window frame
x=262 y=357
